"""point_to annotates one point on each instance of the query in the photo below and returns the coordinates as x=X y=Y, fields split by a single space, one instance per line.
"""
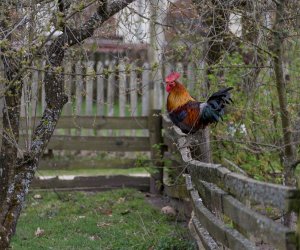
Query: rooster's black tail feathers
x=214 y=110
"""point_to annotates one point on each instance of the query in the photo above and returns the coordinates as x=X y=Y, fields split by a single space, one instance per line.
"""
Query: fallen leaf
x=94 y=237
x=106 y=211
x=121 y=200
x=103 y=224
x=37 y=196
x=39 y=232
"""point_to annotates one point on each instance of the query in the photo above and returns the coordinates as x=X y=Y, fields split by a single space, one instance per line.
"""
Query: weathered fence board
x=133 y=91
x=217 y=229
x=217 y=192
x=100 y=89
x=86 y=163
x=93 y=183
x=99 y=143
x=79 y=87
x=122 y=89
x=94 y=122
x=249 y=220
x=89 y=87
x=111 y=88
x=68 y=87
x=145 y=89
x=241 y=186
x=207 y=241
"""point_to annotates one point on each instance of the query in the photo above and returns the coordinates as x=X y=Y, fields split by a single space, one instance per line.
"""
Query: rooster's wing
x=187 y=117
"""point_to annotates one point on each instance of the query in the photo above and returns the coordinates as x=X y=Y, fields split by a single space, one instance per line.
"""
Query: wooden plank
x=89 y=87
x=100 y=89
x=90 y=75
x=24 y=100
x=122 y=92
x=133 y=91
x=79 y=91
x=86 y=189
x=122 y=89
x=79 y=87
x=34 y=91
x=145 y=89
x=206 y=240
x=68 y=86
x=217 y=229
x=156 y=96
x=98 y=143
x=155 y=139
x=67 y=111
x=243 y=187
x=43 y=101
x=94 y=122
x=76 y=163
x=252 y=222
x=168 y=69
x=111 y=89
x=93 y=182
x=282 y=197
x=25 y=110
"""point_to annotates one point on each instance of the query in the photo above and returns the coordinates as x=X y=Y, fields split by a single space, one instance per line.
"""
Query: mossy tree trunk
x=19 y=172
x=289 y=152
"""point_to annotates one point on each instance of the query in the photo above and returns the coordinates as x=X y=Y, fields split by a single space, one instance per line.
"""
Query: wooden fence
x=96 y=89
x=105 y=143
x=228 y=206
x=108 y=110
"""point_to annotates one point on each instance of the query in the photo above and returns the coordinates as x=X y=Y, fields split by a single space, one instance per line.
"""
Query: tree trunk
x=10 y=135
x=15 y=188
x=289 y=152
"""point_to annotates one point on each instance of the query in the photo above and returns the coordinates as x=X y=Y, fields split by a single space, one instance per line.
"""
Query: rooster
x=188 y=114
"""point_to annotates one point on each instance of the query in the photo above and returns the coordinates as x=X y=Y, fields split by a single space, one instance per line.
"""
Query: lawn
x=119 y=219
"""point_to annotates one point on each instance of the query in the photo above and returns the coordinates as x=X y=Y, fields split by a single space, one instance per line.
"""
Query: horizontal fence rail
x=99 y=92
x=216 y=192
x=97 y=122
x=92 y=183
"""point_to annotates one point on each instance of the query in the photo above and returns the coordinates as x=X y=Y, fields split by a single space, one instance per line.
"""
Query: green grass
x=119 y=219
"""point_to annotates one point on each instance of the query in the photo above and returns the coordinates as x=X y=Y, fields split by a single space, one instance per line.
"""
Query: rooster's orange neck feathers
x=177 y=97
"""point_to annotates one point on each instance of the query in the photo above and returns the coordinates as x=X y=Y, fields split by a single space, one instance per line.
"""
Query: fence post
x=155 y=136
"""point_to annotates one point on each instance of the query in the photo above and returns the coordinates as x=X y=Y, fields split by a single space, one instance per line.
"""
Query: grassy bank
x=119 y=219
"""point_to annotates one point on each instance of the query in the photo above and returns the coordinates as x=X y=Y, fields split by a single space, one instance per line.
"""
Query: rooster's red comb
x=172 y=77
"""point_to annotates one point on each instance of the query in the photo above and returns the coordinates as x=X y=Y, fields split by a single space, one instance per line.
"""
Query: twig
x=236 y=167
